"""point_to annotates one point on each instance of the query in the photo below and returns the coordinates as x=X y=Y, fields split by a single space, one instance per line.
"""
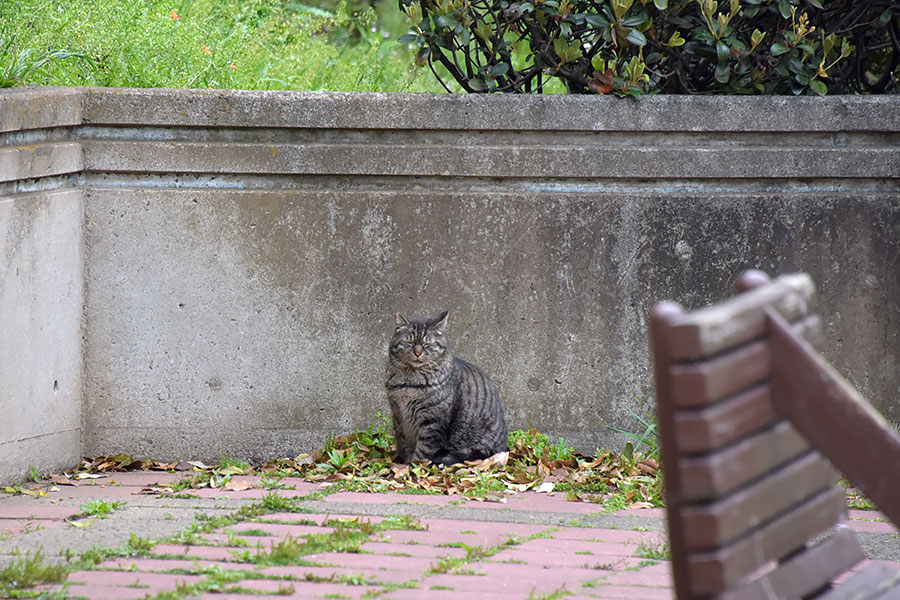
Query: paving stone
x=103 y=592
x=622 y=592
x=236 y=539
x=555 y=502
x=516 y=580
x=169 y=564
x=866 y=515
x=874 y=527
x=303 y=589
x=511 y=587
x=414 y=566
x=576 y=546
x=38 y=511
x=277 y=530
x=201 y=552
x=647 y=513
x=370 y=576
x=263 y=585
x=87 y=492
x=319 y=518
x=392 y=498
x=607 y=535
x=151 y=583
x=426 y=593
x=542 y=558
x=413 y=550
x=658 y=575
x=472 y=533
x=18 y=526
x=220 y=596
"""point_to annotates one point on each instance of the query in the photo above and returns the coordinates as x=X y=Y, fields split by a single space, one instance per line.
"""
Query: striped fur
x=444 y=409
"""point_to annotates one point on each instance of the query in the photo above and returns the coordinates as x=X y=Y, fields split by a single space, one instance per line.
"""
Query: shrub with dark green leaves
x=630 y=48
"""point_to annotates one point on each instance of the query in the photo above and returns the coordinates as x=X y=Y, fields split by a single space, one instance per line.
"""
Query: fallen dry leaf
x=199 y=465
x=237 y=486
x=546 y=487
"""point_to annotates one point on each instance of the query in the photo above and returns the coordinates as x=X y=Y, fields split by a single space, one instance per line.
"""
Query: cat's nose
x=417 y=350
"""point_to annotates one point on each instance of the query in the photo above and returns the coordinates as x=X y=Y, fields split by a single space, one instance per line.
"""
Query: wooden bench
x=751 y=421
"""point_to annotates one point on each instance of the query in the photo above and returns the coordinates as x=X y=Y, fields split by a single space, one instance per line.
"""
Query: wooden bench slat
x=806 y=572
x=717 y=571
x=711 y=330
x=706 y=382
x=875 y=582
x=715 y=474
x=709 y=525
x=714 y=426
x=844 y=427
x=699 y=384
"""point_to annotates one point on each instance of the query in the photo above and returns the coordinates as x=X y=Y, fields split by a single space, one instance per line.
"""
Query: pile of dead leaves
x=358 y=464
x=363 y=462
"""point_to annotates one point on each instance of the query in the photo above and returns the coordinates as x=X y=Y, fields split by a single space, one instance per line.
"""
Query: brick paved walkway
x=532 y=546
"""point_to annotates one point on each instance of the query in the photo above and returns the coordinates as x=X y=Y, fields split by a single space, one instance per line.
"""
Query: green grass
x=101 y=508
x=27 y=571
x=654 y=550
x=241 y=44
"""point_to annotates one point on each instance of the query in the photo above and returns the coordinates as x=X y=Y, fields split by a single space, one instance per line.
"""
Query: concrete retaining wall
x=245 y=251
x=41 y=283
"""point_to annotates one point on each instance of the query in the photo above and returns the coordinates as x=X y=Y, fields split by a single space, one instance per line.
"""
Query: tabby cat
x=444 y=409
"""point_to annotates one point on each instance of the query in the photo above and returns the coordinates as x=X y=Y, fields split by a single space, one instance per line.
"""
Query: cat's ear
x=441 y=321
x=400 y=320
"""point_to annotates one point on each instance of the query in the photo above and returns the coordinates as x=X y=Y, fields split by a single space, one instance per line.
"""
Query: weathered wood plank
x=709 y=525
x=715 y=474
x=741 y=319
x=706 y=382
x=720 y=570
x=876 y=582
x=806 y=572
x=699 y=384
x=714 y=426
x=661 y=319
x=830 y=413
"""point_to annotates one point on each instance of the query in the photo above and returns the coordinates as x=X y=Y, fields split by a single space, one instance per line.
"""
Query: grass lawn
x=239 y=44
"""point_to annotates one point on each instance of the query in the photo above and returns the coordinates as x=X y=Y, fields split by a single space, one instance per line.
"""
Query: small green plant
x=28 y=571
x=285 y=552
x=229 y=463
x=101 y=508
x=274 y=483
x=138 y=546
x=554 y=595
x=255 y=533
x=648 y=438
x=655 y=550
x=18 y=65
x=274 y=502
x=534 y=446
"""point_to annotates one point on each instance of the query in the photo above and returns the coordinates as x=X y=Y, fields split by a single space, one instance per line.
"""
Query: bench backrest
x=745 y=490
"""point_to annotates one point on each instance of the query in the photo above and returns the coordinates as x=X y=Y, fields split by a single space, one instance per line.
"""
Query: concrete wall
x=41 y=283
x=245 y=251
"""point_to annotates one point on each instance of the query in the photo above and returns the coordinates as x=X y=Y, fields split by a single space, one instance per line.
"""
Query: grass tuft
x=27 y=571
